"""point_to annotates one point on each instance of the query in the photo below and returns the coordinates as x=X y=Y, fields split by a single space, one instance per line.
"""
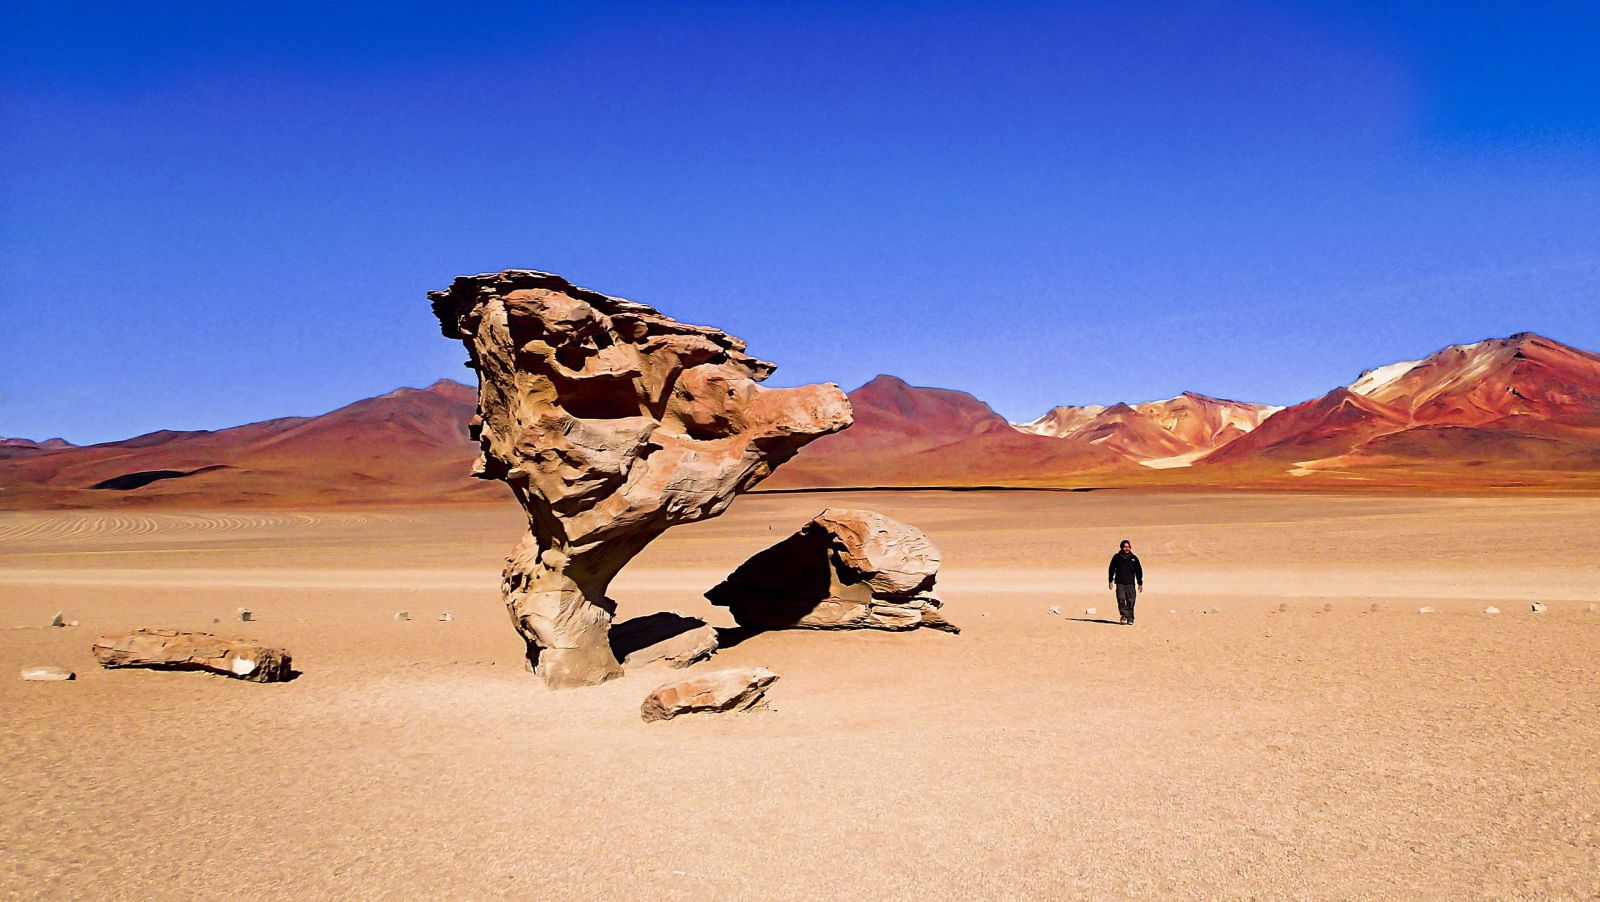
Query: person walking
x=1126 y=578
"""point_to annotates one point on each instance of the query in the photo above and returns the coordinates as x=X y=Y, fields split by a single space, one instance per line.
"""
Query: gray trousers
x=1126 y=595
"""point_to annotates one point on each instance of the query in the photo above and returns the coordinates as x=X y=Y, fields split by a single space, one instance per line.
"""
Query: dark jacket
x=1125 y=569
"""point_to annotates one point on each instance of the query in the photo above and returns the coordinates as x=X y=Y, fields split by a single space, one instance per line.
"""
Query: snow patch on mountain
x=1375 y=379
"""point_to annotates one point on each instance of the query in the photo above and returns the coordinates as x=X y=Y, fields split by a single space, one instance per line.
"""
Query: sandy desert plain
x=1248 y=752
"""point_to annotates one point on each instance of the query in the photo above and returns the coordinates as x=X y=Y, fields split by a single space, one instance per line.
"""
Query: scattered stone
x=1374 y=608
x=1427 y=609
x=57 y=621
x=1591 y=609
x=72 y=623
x=611 y=422
x=1090 y=612
x=47 y=674
x=724 y=690
x=1491 y=610
x=667 y=637
x=446 y=617
x=1055 y=609
x=1283 y=608
x=1213 y=610
x=179 y=650
x=1538 y=608
x=846 y=569
x=244 y=614
x=1327 y=607
x=402 y=615
x=1172 y=610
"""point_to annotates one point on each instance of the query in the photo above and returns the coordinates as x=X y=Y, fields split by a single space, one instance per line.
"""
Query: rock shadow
x=629 y=636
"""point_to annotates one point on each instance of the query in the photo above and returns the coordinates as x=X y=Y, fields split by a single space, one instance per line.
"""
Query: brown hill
x=910 y=436
x=1165 y=433
x=19 y=448
x=1203 y=422
x=407 y=445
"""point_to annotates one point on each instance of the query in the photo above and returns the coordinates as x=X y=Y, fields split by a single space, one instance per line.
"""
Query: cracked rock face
x=846 y=569
x=611 y=422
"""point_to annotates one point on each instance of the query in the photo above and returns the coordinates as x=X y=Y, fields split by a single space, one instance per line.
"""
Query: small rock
x=1327 y=607
x=244 y=614
x=1213 y=610
x=1374 y=608
x=1538 y=608
x=1055 y=609
x=402 y=615
x=1591 y=609
x=1172 y=610
x=446 y=617
x=1090 y=612
x=1491 y=609
x=1283 y=608
x=47 y=674
x=72 y=623
x=724 y=690
x=57 y=621
x=1427 y=609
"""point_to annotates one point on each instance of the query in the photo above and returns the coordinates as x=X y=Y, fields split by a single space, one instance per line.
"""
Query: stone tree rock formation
x=611 y=422
x=846 y=569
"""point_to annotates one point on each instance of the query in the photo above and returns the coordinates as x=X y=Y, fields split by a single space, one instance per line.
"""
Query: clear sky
x=212 y=213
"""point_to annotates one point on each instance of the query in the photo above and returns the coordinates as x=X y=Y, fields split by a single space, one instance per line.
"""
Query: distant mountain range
x=1522 y=411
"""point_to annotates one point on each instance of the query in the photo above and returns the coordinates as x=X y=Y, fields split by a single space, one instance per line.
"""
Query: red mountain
x=407 y=445
x=1471 y=384
x=1509 y=411
x=1331 y=424
x=909 y=436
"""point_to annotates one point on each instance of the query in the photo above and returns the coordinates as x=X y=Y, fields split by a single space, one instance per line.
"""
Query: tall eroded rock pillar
x=610 y=422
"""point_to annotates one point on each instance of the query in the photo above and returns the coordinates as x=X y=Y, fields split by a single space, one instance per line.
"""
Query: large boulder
x=611 y=422
x=845 y=569
x=723 y=690
x=177 y=650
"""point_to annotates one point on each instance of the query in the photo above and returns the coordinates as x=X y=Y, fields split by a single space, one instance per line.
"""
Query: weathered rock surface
x=669 y=638
x=723 y=690
x=178 y=650
x=610 y=422
x=846 y=569
x=47 y=674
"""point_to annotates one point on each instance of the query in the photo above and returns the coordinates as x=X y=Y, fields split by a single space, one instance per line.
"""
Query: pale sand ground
x=1247 y=753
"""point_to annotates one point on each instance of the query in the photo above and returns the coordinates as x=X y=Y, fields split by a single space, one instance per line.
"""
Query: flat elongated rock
x=178 y=650
x=610 y=422
x=845 y=569
x=47 y=674
x=723 y=690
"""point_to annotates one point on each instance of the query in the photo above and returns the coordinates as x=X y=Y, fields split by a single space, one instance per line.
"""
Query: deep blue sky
x=212 y=213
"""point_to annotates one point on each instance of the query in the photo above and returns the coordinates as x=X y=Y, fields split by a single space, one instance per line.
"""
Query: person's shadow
x=1095 y=620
